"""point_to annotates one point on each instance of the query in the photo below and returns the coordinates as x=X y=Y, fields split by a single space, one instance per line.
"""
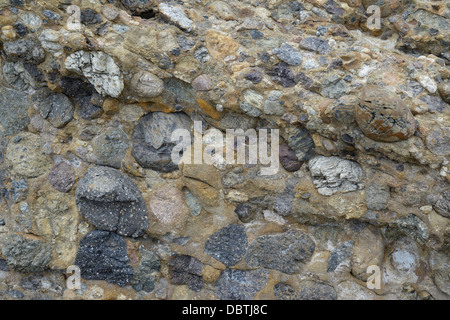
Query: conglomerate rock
x=225 y=149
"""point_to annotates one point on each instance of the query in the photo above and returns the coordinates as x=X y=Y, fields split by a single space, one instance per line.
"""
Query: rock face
x=383 y=116
x=129 y=130
x=111 y=201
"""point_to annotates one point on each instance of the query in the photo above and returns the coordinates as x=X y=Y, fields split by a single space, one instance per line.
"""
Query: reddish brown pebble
x=62 y=177
x=288 y=159
x=383 y=116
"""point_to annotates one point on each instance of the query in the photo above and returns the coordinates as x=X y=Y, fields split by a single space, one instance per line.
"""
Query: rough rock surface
x=351 y=120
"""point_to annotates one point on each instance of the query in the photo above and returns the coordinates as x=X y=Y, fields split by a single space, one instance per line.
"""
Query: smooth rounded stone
x=145 y=85
x=444 y=90
x=25 y=156
x=288 y=159
x=26 y=50
x=110 y=200
x=169 y=206
x=368 y=250
x=285 y=252
x=176 y=15
x=110 y=147
x=404 y=258
x=442 y=205
x=312 y=290
x=377 y=196
x=288 y=54
x=146 y=274
x=413 y=226
x=383 y=116
x=334 y=174
x=236 y=284
x=13 y=111
x=186 y=270
x=202 y=83
x=26 y=254
x=102 y=255
x=99 y=68
x=62 y=177
x=57 y=108
x=300 y=140
x=228 y=245
x=152 y=143
x=283 y=291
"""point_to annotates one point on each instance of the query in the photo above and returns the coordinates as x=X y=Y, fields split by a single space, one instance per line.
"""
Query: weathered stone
x=102 y=255
x=333 y=174
x=413 y=226
x=57 y=108
x=62 y=177
x=110 y=147
x=111 y=201
x=315 y=44
x=26 y=50
x=25 y=156
x=168 y=206
x=377 y=196
x=340 y=254
x=235 y=284
x=283 y=291
x=288 y=159
x=184 y=269
x=368 y=250
x=284 y=252
x=152 y=143
x=176 y=15
x=146 y=274
x=283 y=75
x=442 y=205
x=288 y=54
x=145 y=86
x=311 y=290
x=228 y=245
x=99 y=68
x=382 y=116
x=334 y=87
x=13 y=111
x=26 y=254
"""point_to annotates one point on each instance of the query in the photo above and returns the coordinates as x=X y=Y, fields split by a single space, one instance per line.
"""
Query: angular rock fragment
x=13 y=111
x=111 y=201
x=102 y=255
x=184 y=269
x=57 y=108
